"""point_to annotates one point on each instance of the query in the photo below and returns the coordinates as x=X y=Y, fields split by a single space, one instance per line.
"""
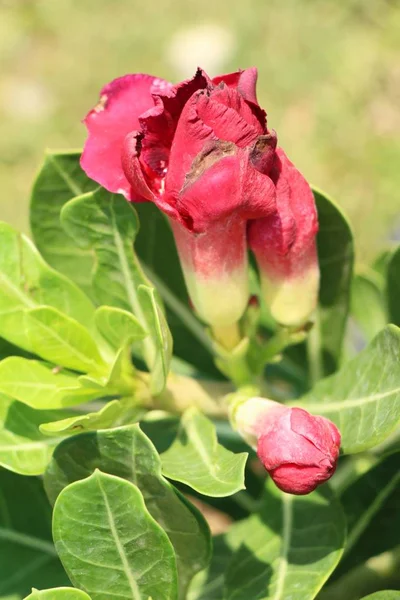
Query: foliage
x=132 y=438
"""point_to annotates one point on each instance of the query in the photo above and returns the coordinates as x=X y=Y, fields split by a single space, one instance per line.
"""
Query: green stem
x=316 y=369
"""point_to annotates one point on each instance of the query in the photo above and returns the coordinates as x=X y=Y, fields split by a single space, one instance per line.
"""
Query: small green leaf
x=336 y=255
x=23 y=449
x=40 y=385
x=363 y=398
x=60 y=179
x=113 y=414
x=62 y=340
x=128 y=453
x=393 y=287
x=118 y=326
x=288 y=550
x=28 y=556
x=199 y=461
x=371 y=507
x=58 y=594
x=160 y=357
x=111 y=545
x=108 y=224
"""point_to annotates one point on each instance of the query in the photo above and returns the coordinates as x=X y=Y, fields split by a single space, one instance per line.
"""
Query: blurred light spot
x=209 y=46
x=25 y=99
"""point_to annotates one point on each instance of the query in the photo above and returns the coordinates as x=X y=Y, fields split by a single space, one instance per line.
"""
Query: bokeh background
x=329 y=77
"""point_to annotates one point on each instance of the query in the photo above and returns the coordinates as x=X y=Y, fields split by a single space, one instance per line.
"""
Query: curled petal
x=245 y=81
x=116 y=114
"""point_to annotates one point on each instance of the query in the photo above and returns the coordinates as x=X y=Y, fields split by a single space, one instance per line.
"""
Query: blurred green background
x=329 y=77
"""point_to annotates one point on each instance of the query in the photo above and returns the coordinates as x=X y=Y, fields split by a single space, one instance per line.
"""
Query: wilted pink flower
x=299 y=450
x=201 y=151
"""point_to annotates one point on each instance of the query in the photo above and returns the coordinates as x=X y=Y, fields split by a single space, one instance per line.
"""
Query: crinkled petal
x=121 y=103
x=159 y=123
x=229 y=116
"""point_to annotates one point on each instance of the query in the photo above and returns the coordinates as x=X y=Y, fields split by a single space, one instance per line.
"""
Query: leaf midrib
x=287 y=518
x=343 y=404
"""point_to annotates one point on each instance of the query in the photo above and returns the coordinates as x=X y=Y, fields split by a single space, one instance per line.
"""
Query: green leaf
x=336 y=256
x=161 y=353
x=27 y=282
x=368 y=304
x=393 y=287
x=62 y=340
x=371 y=507
x=288 y=550
x=197 y=460
x=111 y=545
x=383 y=595
x=128 y=453
x=23 y=449
x=58 y=594
x=60 y=179
x=107 y=224
x=118 y=326
x=113 y=414
x=28 y=556
x=40 y=385
x=363 y=398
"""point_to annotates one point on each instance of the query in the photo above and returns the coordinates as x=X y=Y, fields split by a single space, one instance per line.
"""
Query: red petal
x=284 y=243
x=121 y=103
x=245 y=83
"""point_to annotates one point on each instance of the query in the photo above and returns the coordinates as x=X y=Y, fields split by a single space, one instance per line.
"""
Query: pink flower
x=284 y=244
x=201 y=151
x=299 y=450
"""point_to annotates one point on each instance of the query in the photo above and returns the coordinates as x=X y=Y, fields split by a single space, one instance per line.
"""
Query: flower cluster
x=202 y=152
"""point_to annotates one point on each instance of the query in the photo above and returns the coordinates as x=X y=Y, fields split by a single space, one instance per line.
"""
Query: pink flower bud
x=285 y=247
x=299 y=450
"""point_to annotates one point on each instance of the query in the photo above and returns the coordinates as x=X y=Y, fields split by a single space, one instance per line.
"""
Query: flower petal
x=121 y=103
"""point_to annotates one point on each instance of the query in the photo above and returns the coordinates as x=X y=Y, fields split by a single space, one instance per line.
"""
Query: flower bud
x=299 y=450
x=284 y=244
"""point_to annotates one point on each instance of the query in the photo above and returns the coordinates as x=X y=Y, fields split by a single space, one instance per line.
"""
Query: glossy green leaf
x=113 y=414
x=58 y=594
x=111 y=545
x=128 y=453
x=199 y=461
x=160 y=357
x=370 y=504
x=368 y=306
x=393 y=287
x=27 y=282
x=288 y=550
x=60 y=179
x=118 y=326
x=363 y=398
x=40 y=385
x=28 y=556
x=336 y=256
x=107 y=224
x=62 y=340
x=23 y=449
